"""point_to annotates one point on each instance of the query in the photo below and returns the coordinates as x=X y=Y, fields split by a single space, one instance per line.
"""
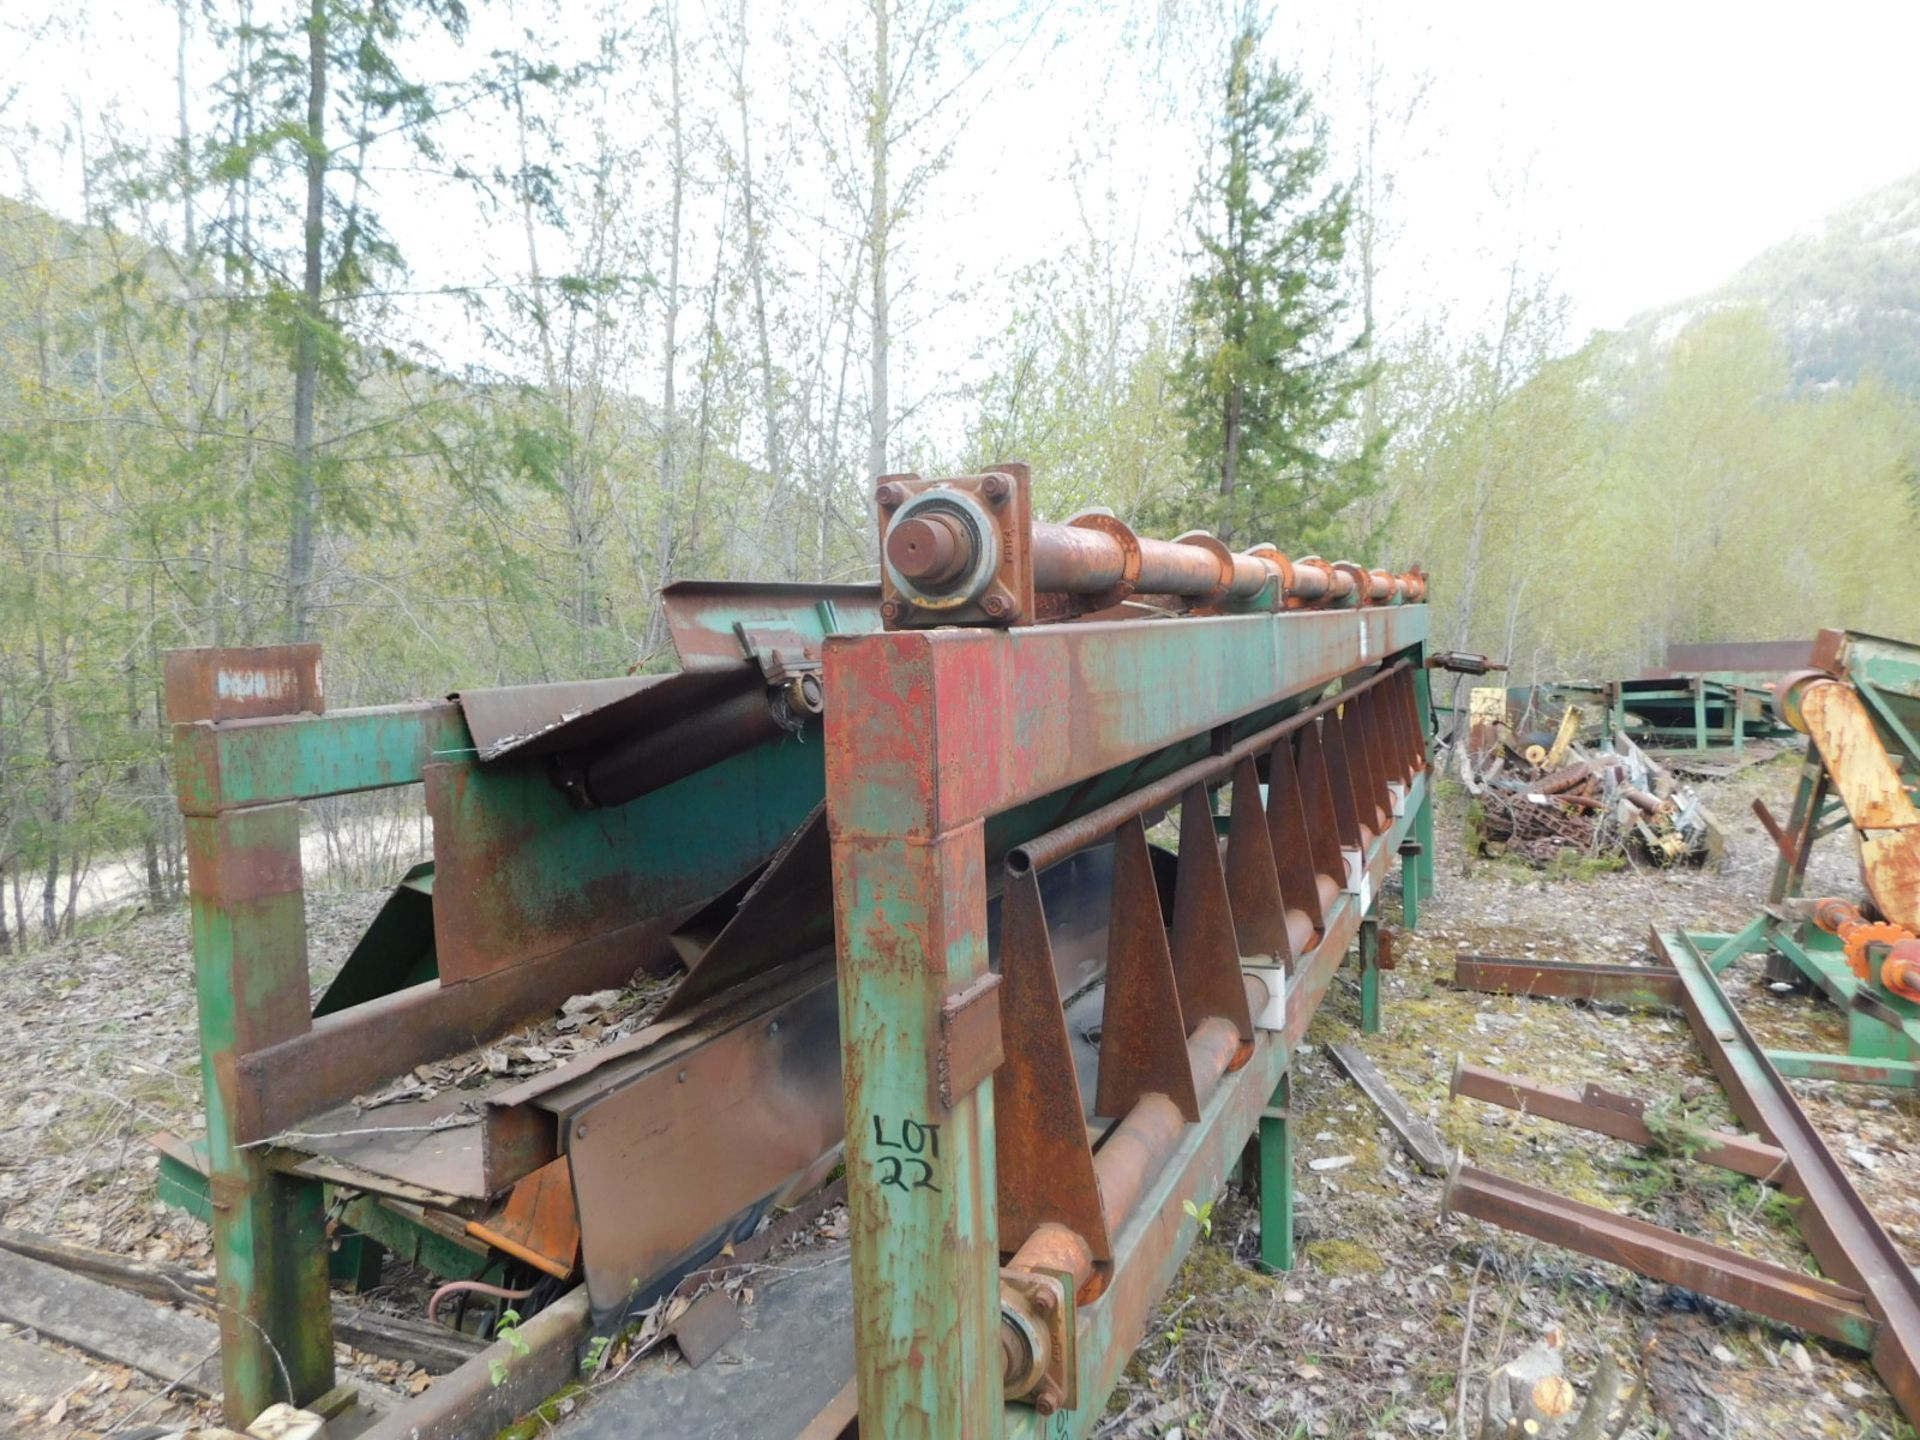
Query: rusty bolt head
x=890 y=495
x=996 y=487
x=892 y=611
x=1045 y=1301
x=1047 y=1399
x=996 y=607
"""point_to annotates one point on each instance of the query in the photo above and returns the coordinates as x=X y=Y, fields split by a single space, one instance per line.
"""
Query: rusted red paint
x=243 y=684
x=1143 y=1036
x=1836 y=1312
x=1044 y=1163
x=1206 y=955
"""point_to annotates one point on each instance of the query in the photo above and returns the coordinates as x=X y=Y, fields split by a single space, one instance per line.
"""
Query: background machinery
x=1859 y=708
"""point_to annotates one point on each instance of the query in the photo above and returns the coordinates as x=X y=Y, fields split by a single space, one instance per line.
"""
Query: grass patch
x=1344 y=1257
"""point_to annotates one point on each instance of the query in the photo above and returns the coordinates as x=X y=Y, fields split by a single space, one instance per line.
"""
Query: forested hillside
x=1844 y=296
x=450 y=362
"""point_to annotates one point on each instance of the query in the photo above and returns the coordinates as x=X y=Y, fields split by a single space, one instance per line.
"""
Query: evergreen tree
x=1271 y=370
x=313 y=93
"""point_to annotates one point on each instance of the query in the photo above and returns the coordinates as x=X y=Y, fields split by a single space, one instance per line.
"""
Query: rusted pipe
x=655 y=759
x=1312 y=580
x=928 y=548
x=1151 y=1131
x=1900 y=971
x=1177 y=567
x=1083 y=560
x=469 y=1287
x=1132 y=1155
x=1075 y=560
x=1099 y=555
x=1043 y=850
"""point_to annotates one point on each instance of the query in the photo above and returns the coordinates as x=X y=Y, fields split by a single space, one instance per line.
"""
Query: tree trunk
x=1229 y=460
x=1483 y=473
x=756 y=274
x=306 y=375
x=878 y=221
x=665 y=537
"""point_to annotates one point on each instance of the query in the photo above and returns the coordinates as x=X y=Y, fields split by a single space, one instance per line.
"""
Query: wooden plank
x=434 y=1348
x=1418 y=1138
x=33 y=1376
x=167 y=1344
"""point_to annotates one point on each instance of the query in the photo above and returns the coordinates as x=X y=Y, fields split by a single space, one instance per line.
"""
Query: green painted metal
x=926 y=1282
x=415 y=1241
x=395 y=952
x=1788 y=871
x=355 y=1261
x=1276 y=1178
x=933 y=738
x=1369 y=948
x=1847 y=1069
x=384 y=1225
x=1883 y=1031
x=305 y=757
x=181 y=1185
x=521 y=872
x=250 y=967
x=1905 y=749
x=1422 y=804
x=1725 y=949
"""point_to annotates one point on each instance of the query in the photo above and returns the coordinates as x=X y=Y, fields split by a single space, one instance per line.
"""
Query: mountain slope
x=1844 y=296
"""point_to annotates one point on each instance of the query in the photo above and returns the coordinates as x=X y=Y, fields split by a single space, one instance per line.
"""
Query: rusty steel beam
x=1615 y=1115
x=1836 y=1223
x=1562 y=980
x=1819 y=1306
x=1044 y=850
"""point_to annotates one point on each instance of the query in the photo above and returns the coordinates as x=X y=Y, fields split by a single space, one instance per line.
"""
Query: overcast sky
x=1660 y=144
x=1671 y=141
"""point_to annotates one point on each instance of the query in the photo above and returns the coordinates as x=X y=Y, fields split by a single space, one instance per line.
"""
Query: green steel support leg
x=269 y=1231
x=1423 y=817
x=1276 y=1178
x=1786 y=874
x=1369 y=943
x=1749 y=939
x=1699 y=716
x=926 y=1263
x=1410 y=891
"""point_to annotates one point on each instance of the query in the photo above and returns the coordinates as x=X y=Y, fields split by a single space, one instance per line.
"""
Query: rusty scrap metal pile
x=1604 y=802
